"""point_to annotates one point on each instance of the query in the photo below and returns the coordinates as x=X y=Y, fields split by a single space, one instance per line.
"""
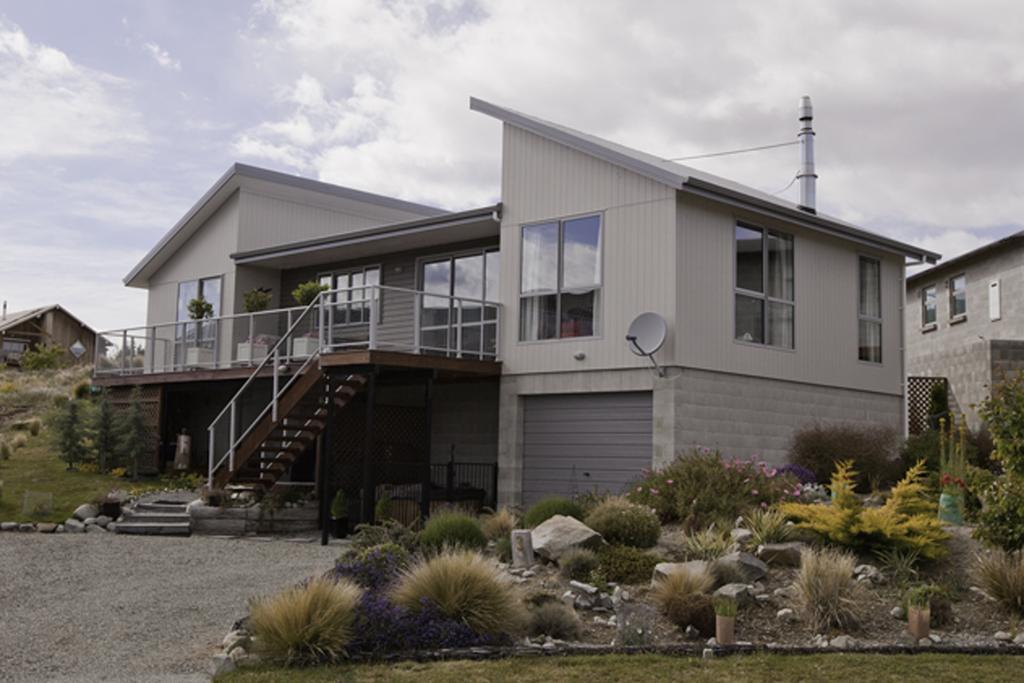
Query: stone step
x=154 y=529
x=160 y=507
x=156 y=517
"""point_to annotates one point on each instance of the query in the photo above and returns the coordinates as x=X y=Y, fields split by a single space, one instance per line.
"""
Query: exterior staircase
x=156 y=518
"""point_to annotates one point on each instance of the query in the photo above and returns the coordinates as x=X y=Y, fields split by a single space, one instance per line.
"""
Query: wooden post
x=428 y=403
x=369 y=485
x=326 y=455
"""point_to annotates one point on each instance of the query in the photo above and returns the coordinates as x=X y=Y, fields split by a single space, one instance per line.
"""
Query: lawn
x=659 y=668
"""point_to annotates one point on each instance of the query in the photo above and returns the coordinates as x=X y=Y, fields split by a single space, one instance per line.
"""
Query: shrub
x=31 y=425
x=725 y=607
x=872 y=449
x=624 y=564
x=555 y=620
x=68 y=432
x=452 y=529
x=802 y=474
x=104 y=435
x=339 y=505
x=310 y=623
x=1003 y=413
x=588 y=500
x=700 y=489
x=45 y=357
x=374 y=567
x=1001 y=575
x=768 y=526
x=388 y=531
x=383 y=508
x=503 y=549
x=6 y=450
x=1000 y=523
x=708 y=544
x=578 y=563
x=622 y=522
x=134 y=434
x=18 y=441
x=926 y=446
x=938 y=404
x=462 y=585
x=900 y=563
x=307 y=292
x=82 y=389
x=933 y=597
x=681 y=598
x=827 y=595
x=257 y=299
x=499 y=524
x=545 y=509
x=384 y=627
x=908 y=519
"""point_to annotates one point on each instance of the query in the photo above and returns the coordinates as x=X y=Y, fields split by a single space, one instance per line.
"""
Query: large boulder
x=560 y=533
x=743 y=565
x=663 y=569
x=86 y=511
x=782 y=554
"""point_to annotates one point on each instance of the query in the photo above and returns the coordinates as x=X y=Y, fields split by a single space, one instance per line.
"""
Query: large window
x=208 y=288
x=929 y=312
x=204 y=332
x=455 y=318
x=764 y=287
x=958 y=296
x=869 y=310
x=560 y=283
x=355 y=294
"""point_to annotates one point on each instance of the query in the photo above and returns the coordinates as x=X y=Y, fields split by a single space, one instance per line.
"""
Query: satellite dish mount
x=646 y=335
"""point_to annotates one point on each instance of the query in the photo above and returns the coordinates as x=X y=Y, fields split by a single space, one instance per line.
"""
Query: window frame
x=218 y=305
x=347 y=305
x=763 y=295
x=861 y=317
x=950 y=299
x=453 y=327
x=559 y=290
x=926 y=324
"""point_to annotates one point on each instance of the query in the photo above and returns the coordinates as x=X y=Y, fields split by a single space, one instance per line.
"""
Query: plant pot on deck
x=249 y=352
x=339 y=527
x=197 y=356
x=303 y=347
x=111 y=508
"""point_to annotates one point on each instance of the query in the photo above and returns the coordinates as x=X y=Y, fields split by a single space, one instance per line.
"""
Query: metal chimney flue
x=807 y=177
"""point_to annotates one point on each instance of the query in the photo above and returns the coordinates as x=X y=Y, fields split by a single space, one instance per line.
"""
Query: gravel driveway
x=99 y=607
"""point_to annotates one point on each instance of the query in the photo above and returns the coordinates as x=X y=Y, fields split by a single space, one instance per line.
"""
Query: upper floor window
x=356 y=294
x=560 y=284
x=764 y=287
x=454 y=317
x=207 y=288
x=958 y=296
x=869 y=310
x=929 y=309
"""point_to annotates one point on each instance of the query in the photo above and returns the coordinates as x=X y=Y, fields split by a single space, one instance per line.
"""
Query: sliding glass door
x=453 y=318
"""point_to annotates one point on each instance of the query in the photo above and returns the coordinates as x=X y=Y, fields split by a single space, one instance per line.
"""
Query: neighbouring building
x=481 y=354
x=45 y=325
x=965 y=323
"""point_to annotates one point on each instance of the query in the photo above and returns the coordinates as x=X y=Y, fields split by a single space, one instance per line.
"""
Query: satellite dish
x=646 y=336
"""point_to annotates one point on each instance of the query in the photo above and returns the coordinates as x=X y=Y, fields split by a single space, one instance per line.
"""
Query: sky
x=116 y=115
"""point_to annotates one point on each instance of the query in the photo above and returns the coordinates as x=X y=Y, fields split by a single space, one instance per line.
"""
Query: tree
x=67 y=426
x=104 y=434
x=133 y=433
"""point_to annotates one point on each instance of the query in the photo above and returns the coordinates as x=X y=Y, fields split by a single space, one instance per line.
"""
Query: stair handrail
x=273 y=355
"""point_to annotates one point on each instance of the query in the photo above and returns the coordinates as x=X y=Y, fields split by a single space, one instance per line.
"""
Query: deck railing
x=376 y=317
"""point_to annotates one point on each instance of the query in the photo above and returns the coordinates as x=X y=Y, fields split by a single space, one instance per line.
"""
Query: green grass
x=658 y=668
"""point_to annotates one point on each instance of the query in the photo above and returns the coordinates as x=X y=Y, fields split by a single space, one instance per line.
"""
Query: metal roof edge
x=966 y=256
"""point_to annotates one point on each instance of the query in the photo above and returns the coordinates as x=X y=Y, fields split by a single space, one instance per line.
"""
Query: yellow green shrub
x=908 y=519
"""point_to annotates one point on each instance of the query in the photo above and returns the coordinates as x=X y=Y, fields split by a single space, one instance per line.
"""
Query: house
x=45 y=325
x=965 y=323
x=463 y=354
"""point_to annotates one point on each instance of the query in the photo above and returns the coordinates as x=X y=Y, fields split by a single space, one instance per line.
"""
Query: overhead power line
x=735 y=151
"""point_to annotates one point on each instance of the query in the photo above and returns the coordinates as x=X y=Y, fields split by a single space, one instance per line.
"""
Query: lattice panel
x=919 y=393
x=150 y=397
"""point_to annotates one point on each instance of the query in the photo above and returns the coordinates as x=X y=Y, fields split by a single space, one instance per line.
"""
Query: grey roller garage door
x=573 y=443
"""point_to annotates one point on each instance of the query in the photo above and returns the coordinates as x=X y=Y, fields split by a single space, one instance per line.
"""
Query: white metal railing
x=370 y=317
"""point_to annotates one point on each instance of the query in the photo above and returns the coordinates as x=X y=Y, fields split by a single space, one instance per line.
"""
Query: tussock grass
x=827 y=594
x=556 y=620
x=499 y=524
x=1001 y=575
x=578 y=563
x=768 y=526
x=708 y=545
x=307 y=624
x=681 y=597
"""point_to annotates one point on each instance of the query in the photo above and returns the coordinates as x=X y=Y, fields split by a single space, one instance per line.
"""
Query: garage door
x=573 y=443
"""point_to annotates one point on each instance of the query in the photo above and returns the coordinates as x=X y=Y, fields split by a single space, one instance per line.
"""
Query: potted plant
x=339 y=515
x=725 y=621
x=305 y=294
x=256 y=348
x=919 y=613
x=199 y=309
x=110 y=505
x=953 y=467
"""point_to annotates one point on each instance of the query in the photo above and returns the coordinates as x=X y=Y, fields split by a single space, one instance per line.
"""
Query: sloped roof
x=687 y=179
x=983 y=250
x=225 y=187
x=20 y=317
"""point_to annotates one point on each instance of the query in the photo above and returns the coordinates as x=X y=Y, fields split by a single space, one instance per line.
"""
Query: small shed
x=23 y=330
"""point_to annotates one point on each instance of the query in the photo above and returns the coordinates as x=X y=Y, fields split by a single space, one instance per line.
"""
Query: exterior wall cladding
x=976 y=352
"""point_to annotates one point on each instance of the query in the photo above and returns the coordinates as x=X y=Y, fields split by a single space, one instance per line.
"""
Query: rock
x=74 y=526
x=234 y=639
x=9 y=526
x=112 y=527
x=663 y=569
x=238 y=655
x=708 y=653
x=568 y=599
x=898 y=612
x=1002 y=636
x=619 y=595
x=561 y=533
x=60 y=529
x=46 y=528
x=935 y=638
x=89 y=521
x=786 y=614
x=527 y=574
x=868 y=572
x=740 y=592
x=786 y=592
x=692 y=633
x=924 y=642
x=1019 y=640
x=843 y=642
x=820 y=640
x=745 y=564
x=95 y=528
x=84 y=512
x=741 y=536
x=582 y=588
x=762 y=597
x=103 y=520
x=712 y=641
x=221 y=664
x=782 y=554
x=26 y=527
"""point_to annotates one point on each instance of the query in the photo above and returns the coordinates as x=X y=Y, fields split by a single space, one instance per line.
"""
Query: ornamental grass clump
x=1001 y=575
x=682 y=598
x=545 y=509
x=308 y=624
x=464 y=586
x=578 y=563
x=620 y=521
x=768 y=526
x=555 y=620
x=708 y=544
x=827 y=594
x=451 y=529
x=624 y=564
x=499 y=524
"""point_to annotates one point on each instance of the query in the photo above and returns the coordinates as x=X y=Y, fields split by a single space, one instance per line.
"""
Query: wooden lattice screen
x=150 y=397
x=919 y=392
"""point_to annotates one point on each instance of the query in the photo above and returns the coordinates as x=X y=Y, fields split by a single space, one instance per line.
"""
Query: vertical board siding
x=543 y=180
x=825 y=272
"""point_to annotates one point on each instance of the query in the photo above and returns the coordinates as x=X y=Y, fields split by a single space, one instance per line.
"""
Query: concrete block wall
x=1007 y=360
x=967 y=367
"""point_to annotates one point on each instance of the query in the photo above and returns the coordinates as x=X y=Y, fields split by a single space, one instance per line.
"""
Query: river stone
x=748 y=566
x=741 y=536
x=86 y=511
x=103 y=520
x=74 y=526
x=663 y=569
x=559 y=534
x=782 y=554
x=94 y=528
x=46 y=528
x=843 y=642
x=26 y=527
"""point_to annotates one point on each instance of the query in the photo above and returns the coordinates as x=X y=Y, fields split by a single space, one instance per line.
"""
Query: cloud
x=162 y=57
x=917 y=107
x=56 y=108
